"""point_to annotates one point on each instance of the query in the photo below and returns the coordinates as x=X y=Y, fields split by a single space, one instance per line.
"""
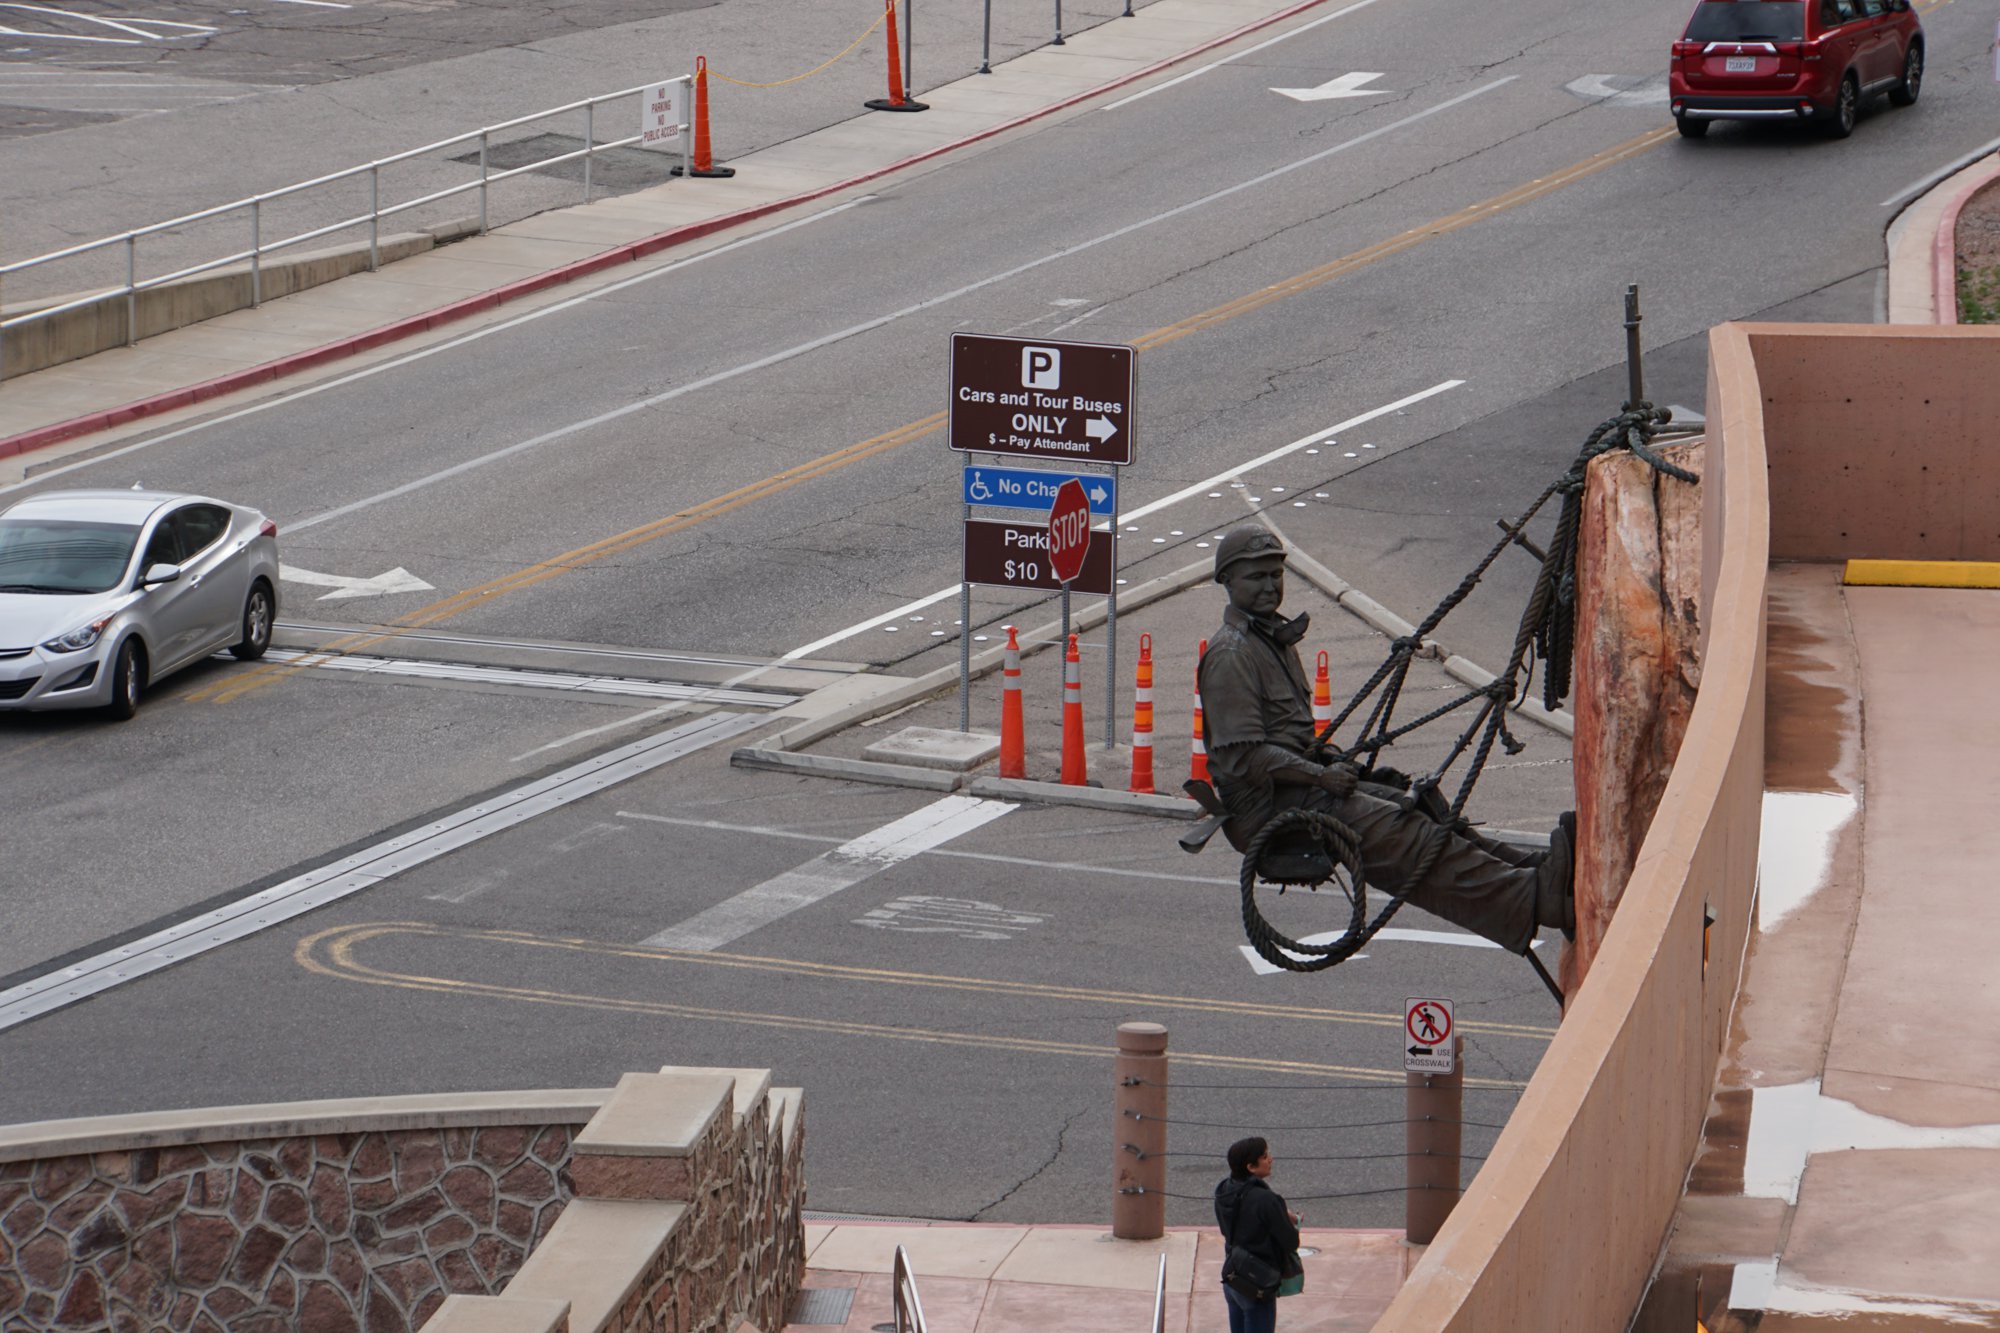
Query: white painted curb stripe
x=824 y=876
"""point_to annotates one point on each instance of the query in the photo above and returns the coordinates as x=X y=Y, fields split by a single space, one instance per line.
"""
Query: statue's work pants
x=1468 y=885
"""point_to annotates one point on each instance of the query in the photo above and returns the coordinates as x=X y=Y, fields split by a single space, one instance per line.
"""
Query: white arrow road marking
x=1600 y=88
x=343 y=585
x=1264 y=969
x=1347 y=85
x=1099 y=428
x=823 y=876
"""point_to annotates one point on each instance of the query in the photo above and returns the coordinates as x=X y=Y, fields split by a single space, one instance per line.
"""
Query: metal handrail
x=909 y=1310
x=1159 y=1324
x=133 y=284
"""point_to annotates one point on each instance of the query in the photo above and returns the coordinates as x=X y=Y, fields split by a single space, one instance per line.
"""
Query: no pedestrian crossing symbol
x=1427 y=1040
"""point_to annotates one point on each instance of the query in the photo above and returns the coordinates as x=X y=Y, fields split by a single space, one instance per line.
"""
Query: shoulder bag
x=1245 y=1273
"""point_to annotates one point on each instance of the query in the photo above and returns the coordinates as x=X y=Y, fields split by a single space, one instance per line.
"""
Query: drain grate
x=823 y=1305
x=612 y=170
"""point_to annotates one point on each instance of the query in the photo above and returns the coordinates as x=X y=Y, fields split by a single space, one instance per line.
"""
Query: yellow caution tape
x=1923 y=574
x=744 y=83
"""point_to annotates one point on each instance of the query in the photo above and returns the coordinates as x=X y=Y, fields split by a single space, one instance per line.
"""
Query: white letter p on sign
x=1041 y=368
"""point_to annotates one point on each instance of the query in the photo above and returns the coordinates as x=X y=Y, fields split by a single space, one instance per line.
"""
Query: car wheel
x=256 y=624
x=1691 y=128
x=128 y=679
x=1905 y=93
x=1846 y=106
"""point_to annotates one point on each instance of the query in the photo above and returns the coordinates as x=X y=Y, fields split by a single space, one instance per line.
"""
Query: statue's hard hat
x=1245 y=543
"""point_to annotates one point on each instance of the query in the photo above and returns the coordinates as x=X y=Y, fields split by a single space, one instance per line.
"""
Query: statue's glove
x=1337 y=781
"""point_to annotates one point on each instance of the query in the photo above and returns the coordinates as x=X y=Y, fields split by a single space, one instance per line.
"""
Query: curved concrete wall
x=1562 y=1226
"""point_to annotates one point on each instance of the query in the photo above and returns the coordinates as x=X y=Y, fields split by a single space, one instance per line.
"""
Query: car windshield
x=1748 y=20
x=51 y=555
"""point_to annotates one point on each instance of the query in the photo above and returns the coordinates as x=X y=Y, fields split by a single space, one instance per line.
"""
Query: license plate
x=1739 y=65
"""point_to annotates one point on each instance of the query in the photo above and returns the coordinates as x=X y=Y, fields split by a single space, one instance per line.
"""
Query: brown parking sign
x=1042 y=399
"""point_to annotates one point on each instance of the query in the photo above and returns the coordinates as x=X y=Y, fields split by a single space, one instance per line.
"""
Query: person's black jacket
x=1251 y=1214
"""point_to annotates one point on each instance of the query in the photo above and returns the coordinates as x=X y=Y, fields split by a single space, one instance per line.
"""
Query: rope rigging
x=1546 y=634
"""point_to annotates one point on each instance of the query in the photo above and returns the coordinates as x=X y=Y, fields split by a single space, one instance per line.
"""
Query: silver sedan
x=103 y=593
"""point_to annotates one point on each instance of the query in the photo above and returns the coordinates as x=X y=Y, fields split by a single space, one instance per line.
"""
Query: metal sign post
x=1068 y=401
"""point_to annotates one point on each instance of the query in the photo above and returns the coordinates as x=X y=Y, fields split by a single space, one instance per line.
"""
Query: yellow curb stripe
x=1922 y=574
x=340 y=964
x=239 y=685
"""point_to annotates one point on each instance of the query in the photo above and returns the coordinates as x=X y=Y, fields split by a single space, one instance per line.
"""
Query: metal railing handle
x=909 y=1308
x=1159 y=1324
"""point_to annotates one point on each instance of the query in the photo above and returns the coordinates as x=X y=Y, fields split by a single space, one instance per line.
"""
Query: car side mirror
x=160 y=573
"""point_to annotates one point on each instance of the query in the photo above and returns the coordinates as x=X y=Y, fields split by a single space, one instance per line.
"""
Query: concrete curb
x=1090 y=798
x=1944 y=244
x=56 y=432
x=983 y=663
x=834 y=766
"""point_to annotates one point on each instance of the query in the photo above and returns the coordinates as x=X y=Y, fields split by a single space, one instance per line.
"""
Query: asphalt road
x=751 y=421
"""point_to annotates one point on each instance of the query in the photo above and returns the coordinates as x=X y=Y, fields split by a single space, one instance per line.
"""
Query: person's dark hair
x=1244 y=1154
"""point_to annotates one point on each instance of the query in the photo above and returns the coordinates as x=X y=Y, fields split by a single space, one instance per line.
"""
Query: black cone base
x=717 y=172
x=884 y=104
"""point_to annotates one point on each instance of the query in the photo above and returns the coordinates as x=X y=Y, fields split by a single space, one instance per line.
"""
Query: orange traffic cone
x=1322 y=699
x=1142 y=720
x=1074 y=772
x=1198 y=758
x=895 y=101
x=1013 y=741
x=704 y=159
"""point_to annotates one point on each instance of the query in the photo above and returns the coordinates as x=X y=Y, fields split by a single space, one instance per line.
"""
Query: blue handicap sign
x=1032 y=488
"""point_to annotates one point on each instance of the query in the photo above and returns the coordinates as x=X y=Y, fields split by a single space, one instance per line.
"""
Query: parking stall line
x=820 y=878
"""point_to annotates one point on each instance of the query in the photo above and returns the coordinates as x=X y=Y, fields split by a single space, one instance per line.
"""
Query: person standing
x=1254 y=1217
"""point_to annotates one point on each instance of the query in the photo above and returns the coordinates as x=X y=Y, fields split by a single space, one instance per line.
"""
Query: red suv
x=1793 y=60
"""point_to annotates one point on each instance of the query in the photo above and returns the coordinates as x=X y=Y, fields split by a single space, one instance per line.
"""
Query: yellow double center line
x=332 y=953
x=240 y=684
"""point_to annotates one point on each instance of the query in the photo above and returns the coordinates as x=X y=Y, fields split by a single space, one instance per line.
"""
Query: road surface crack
x=1061 y=1135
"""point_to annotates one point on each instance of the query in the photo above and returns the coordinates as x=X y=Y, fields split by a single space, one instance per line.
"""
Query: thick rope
x=745 y=83
x=1340 y=843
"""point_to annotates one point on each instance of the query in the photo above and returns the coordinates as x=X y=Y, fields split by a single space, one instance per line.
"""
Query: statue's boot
x=1555 y=879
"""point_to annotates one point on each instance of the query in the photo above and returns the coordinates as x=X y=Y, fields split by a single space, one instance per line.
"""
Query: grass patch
x=1979 y=295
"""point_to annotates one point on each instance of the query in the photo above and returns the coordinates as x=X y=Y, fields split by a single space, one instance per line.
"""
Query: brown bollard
x=1139 y=1133
x=1434 y=1105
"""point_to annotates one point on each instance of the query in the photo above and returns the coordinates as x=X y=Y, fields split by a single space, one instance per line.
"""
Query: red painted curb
x=43 y=436
x=1944 y=248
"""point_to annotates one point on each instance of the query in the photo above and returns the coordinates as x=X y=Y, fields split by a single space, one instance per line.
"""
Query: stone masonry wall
x=739 y=1253
x=331 y=1233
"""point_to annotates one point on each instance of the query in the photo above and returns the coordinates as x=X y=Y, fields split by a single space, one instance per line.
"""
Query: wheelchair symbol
x=978 y=489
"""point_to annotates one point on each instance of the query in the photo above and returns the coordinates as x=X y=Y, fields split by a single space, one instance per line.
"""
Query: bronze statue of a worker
x=1257 y=725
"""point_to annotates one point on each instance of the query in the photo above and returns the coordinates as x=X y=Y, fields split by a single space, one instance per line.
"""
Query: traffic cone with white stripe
x=1074 y=768
x=1322 y=698
x=895 y=101
x=1198 y=757
x=1013 y=738
x=1142 y=720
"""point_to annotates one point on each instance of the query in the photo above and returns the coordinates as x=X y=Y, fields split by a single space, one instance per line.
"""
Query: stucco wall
x=1561 y=1227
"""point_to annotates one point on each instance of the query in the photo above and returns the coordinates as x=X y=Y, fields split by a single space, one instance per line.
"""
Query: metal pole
x=1139 y=1133
x=965 y=654
x=1634 y=373
x=687 y=126
x=256 y=252
x=482 y=182
x=1058 y=41
x=986 y=42
x=1434 y=1107
x=374 y=216
x=1128 y=10
x=1111 y=643
x=589 y=144
x=909 y=53
x=131 y=290
x=1065 y=628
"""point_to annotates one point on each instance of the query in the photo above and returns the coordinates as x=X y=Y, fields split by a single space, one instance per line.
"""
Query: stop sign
x=1069 y=530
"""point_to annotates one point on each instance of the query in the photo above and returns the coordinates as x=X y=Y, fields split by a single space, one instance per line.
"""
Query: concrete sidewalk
x=975 y=1278
x=45 y=412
